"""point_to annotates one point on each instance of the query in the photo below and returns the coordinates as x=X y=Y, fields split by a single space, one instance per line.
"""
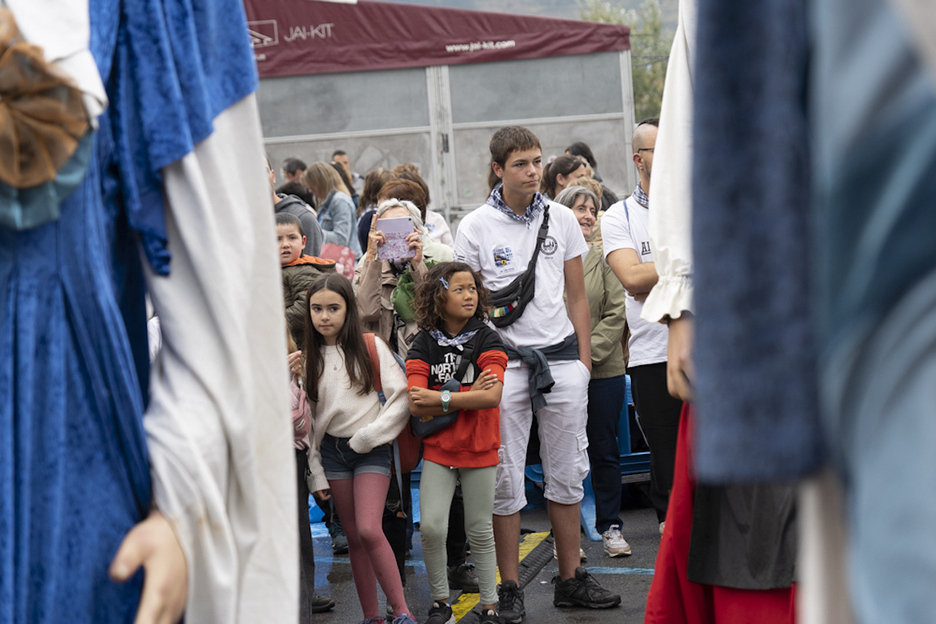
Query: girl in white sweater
x=351 y=436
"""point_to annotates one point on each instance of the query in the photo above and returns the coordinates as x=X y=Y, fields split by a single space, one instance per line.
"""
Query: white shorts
x=563 y=441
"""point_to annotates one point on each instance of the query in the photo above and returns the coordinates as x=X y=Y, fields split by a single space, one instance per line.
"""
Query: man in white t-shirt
x=549 y=366
x=626 y=234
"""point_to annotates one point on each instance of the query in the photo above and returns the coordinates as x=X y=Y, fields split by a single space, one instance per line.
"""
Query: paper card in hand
x=395 y=231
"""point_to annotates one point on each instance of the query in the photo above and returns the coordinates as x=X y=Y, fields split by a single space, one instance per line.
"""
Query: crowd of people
x=483 y=345
x=482 y=341
x=794 y=222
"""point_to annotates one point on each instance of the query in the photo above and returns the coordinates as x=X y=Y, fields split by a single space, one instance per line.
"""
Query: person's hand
x=680 y=370
x=375 y=238
x=153 y=544
x=423 y=397
x=485 y=381
x=296 y=362
x=415 y=243
x=321 y=495
x=638 y=296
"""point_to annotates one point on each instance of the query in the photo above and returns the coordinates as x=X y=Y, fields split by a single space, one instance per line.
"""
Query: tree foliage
x=650 y=48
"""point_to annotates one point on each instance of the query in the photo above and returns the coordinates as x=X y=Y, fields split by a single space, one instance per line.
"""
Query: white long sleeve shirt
x=671 y=183
x=344 y=413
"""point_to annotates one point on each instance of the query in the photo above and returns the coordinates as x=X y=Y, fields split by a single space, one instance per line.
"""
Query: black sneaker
x=440 y=613
x=583 y=590
x=463 y=577
x=489 y=616
x=339 y=540
x=510 y=602
x=320 y=604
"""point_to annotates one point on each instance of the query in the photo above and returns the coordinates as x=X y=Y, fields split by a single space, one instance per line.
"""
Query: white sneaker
x=582 y=556
x=614 y=543
x=662 y=526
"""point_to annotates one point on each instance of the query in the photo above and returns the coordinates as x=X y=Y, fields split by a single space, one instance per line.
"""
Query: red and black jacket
x=473 y=440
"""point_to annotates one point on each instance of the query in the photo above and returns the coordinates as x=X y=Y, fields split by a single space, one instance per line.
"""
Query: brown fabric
x=42 y=115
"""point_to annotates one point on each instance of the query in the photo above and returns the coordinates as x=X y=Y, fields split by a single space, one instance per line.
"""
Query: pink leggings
x=360 y=503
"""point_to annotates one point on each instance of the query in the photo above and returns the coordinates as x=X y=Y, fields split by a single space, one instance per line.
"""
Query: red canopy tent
x=302 y=37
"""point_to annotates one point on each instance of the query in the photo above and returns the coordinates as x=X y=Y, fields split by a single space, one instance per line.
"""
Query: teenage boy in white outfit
x=549 y=365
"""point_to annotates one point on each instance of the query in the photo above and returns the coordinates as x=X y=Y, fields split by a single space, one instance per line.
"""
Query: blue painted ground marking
x=605 y=570
x=415 y=563
x=342 y=559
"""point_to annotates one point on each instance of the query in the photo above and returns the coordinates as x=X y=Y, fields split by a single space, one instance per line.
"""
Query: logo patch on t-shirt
x=445 y=370
x=503 y=259
x=550 y=246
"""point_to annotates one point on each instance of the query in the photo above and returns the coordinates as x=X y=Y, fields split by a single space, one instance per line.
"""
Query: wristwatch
x=446 y=399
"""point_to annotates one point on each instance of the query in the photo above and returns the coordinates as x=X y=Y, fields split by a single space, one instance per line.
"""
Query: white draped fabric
x=671 y=182
x=218 y=424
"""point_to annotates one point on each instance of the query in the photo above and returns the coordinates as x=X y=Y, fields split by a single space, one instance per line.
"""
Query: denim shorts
x=340 y=461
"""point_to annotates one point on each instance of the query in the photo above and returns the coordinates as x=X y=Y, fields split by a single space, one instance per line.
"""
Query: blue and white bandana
x=457 y=342
x=641 y=197
x=538 y=205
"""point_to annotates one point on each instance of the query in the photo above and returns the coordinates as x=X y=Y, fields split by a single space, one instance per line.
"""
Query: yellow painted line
x=467 y=602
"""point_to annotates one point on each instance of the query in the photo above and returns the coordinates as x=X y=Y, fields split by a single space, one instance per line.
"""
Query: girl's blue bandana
x=456 y=342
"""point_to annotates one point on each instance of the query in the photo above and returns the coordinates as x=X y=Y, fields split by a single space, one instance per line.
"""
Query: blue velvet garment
x=757 y=405
x=177 y=65
x=74 y=474
x=73 y=471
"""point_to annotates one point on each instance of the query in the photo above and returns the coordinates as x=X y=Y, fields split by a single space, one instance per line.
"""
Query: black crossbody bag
x=424 y=426
x=508 y=303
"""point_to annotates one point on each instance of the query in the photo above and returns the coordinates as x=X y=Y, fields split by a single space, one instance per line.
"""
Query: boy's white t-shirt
x=500 y=247
x=647 y=344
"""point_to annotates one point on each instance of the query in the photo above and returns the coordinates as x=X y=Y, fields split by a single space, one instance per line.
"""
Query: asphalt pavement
x=628 y=576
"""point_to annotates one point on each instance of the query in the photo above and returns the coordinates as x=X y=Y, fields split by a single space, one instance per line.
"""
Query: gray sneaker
x=339 y=539
x=510 y=602
x=463 y=577
x=320 y=604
